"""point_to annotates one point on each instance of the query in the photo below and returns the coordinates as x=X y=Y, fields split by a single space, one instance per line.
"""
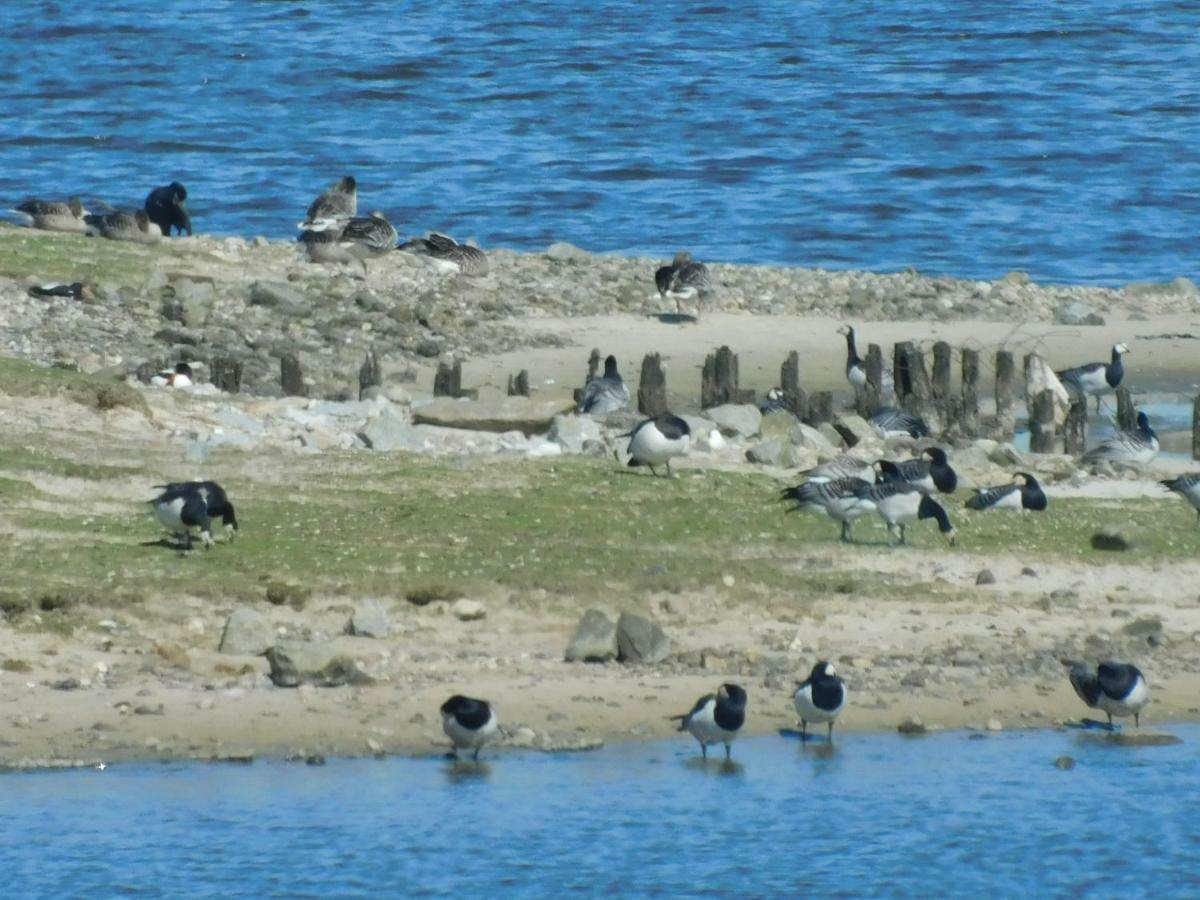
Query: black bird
x=1186 y=486
x=716 y=717
x=1028 y=494
x=1119 y=689
x=184 y=505
x=819 y=698
x=927 y=476
x=469 y=723
x=657 y=441
x=166 y=208
x=73 y=290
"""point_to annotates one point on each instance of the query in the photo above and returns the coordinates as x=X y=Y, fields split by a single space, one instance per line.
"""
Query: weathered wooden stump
x=652 y=388
x=370 y=374
x=227 y=373
x=518 y=386
x=291 y=378
x=719 y=380
x=447 y=381
x=946 y=405
x=914 y=392
x=1006 y=390
x=1075 y=428
x=1126 y=411
x=820 y=408
x=969 y=418
x=794 y=397
x=592 y=372
x=1196 y=428
x=1043 y=434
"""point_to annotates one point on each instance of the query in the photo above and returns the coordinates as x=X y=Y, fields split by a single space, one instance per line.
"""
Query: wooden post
x=1126 y=411
x=291 y=378
x=1006 y=390
x=820 y=408
x=794 y=397
x=652 y=389
x=914 y=392
x=1196 y=428
x=947 y=406
x=874 y=393
x=969 y=421
x=447 y=382
x=227 y=374
x=1075 y=428
x=593 y=368
x=370 y=374
x=719 y=379
x=1042 y=433
x=519 y=386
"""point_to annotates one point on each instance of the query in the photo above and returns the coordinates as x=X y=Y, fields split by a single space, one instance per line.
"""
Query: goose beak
x=951 y=537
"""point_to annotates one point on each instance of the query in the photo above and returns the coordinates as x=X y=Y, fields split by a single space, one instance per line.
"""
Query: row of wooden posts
x=918 y=390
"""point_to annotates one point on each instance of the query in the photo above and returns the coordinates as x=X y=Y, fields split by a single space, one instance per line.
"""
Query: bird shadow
x=1092 y=725
x=715 y=765
x=167 y=544
x=461 y=771
x=674 y=318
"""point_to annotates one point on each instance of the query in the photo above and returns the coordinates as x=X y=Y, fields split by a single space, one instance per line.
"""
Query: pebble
x=985 y=576
x=1064 y=762
x=912 y=725
x=466 y=610
x=994 y=725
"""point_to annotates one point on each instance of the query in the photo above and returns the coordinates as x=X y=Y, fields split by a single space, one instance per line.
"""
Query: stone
x=1076 y=313
x=1112 y=537
x=369 y=619
x=985 y=576
x=810 y=438
x=312 y=662
x=595 y=639
x=912 y=726
x=389 y=431
x=1143 y=739
x=736 y=419
x=467 y=610
x=640 y=640
x=572 y=432
x=778 y=423
x=525 y=414
x=247 y=633
x=280 y=296
x=994 y=725
x=1065 y=763
x=1144 y=627
x=856 y=428
x=561 y=251
x=771 y=453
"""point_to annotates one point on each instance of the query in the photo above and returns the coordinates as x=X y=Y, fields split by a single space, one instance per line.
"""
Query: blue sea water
x=881 y=815
x=961 y=138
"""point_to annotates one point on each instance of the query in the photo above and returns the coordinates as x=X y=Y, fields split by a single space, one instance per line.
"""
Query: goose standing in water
x=716 y=718
x=166 y=208
x=124 y=226
x=838 y=499
x=819 y=698
x=655 y=442
x=898 y=503
x=1094 y=379
x=927 y=476
x=449 y=253
x=856 y=368
x=605 y=394
x=1130 y=448
x=339 y=202
x=1119 y=689
x=1026 y=495
x=55 y=215
x=684 y=279
x=1188 y=487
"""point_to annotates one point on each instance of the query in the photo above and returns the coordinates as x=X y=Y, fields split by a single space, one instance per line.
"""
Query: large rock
x=736 y=419
x=595 y=639
x=525 y=414
x=810 y=438
x=640 y=641
x=312 y=662
x=1076 y=313
x=370 y=619
x=571 y=432
x=389 y=431
x=247 y=633
x=564 y=252
x=778 y=423
x=855 y=430
x=278 y=295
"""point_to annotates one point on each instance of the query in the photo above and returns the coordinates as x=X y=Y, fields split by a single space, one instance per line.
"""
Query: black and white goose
x=339 y=202
x=605 y=394
x=469 y=723
x=838 y=499
x=54 y=215
x=683 y=279
x=844 y=466
x=1094 y=379
x=1119 y=689
x=124 y=226
x=819 y=698
x=890 y=422
x=716 y=718
x=74 y=290
x=1188 y=487
x=1131 y=448
x=1023 y=492
x=180 y=376
x=655 y=442
x=185 y=505
x=449 y=254
x=167 y=208
x=928 y=476
x=898 y=503
x=856 y=367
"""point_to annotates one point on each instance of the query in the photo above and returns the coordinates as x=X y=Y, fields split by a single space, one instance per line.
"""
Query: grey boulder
x=595 y=639
x=247 y=633
x=640 y=640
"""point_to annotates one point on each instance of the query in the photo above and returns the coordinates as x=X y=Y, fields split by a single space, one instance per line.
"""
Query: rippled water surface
x=954 y=137
x=880 y=815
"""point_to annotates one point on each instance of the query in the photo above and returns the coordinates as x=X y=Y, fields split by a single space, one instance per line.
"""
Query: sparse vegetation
x=24 y=379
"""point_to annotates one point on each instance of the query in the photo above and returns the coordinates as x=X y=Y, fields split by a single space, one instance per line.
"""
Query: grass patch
x=24 y=379
x=71 y=257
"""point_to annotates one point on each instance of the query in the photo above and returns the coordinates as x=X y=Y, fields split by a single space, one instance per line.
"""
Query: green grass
x=71 y=257
x=24 y=379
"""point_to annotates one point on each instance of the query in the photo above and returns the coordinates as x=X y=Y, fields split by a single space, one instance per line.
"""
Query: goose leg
x=475 y=755
x=803 y=731
x=703 y=750
x=668 y=468
x=728 y=750
x=1110 y=724
x=903 y=535
x=831 y=732
x=846 y=533
x=1136 y=721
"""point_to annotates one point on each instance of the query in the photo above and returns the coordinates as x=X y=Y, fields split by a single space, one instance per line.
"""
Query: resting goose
x=838 y=499
x=891 y=422
x=819 y=698
x=1094 y=379
x=1028 y=494
x=716 y=718
x=1119 y=689
x=927 y=476
x=449 y=253
x=124 y=226
x=605 y=394
x=339 y=202
x=898 y=503
x=54 y=215
x=683 y=279
x=1134 y=448
x=1186 y=486
x=180 y=376
x=856 y=368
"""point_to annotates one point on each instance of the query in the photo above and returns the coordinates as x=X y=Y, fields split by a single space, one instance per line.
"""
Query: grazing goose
x=655 y=442
x=898 y=503
x=469 y=723
x=716 y=717
x=1134 y=448
x=339 y=202
x=54 y=215
x=819 y=698
x=683 y=279
x=844 y=466
x=927 y=476
x=124 y=226
x=216 y=502
x=1028 y=494
x=856 y=368
x=449 y=253
x=891 y=422
x=166 y=208
x=180 y=376
x=607 y=393
x=1188 y=487
x=1119 y=689
x=1094 y=379
x=838 y=499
